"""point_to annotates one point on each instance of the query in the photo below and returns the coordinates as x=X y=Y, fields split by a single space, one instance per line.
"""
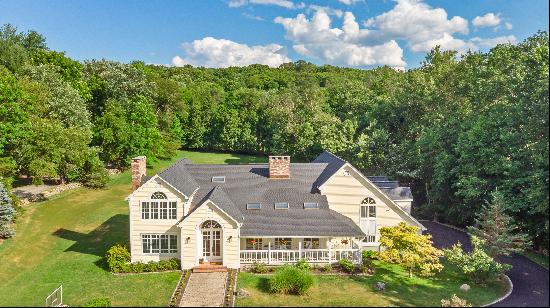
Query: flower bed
x=178 y=292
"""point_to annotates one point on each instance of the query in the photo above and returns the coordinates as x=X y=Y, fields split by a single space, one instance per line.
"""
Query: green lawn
x=538 y=258
x=358 y=290
x=62 y=240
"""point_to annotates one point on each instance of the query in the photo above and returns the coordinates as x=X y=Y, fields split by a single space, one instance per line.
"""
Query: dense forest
x=456 y=128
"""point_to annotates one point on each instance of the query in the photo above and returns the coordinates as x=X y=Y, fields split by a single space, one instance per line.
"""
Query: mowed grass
x=62 y=241
x=355 y=291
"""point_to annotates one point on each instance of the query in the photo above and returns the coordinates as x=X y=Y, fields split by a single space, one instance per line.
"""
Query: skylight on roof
x=281 y=206
x=253 y=206
x=218 y=179
x=311 y=205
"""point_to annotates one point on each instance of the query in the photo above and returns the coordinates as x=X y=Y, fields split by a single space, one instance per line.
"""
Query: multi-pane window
x=159 y=243
x=254 y=243
x=283 y=243
x=253 y=206
x=158 y=210
x=368 y=211
x=370 y=239
x=311 y=243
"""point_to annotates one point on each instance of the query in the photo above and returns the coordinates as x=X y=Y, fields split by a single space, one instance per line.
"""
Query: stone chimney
x=279 y=167
x=139 y=169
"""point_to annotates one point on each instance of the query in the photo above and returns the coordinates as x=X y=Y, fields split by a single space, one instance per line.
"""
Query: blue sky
x=219 y=33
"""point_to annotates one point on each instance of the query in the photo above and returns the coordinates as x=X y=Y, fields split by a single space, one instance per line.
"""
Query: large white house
x=275 y=213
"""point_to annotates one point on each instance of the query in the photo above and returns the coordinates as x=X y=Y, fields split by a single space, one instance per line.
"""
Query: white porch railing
x=291 y=256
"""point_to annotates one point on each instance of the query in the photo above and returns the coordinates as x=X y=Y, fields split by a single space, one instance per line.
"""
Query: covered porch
x=282 y=250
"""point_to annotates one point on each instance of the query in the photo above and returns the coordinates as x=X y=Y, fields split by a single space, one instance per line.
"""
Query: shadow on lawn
x=98 y=241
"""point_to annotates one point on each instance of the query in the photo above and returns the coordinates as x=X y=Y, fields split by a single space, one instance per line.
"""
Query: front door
x=211 y=241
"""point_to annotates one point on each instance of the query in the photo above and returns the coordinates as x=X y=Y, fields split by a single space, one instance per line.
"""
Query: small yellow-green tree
x=406 y=246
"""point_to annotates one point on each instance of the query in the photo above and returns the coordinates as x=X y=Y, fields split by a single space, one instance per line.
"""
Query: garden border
x=182 y=284
x=510 y=284
x=510 y=290
x=145 y=273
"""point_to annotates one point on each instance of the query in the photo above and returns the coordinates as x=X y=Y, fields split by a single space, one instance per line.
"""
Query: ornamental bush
x=455 y=301
x=347 y=265
x=118 y=261
x=303 y=265
x=7 y=213
x=477 y=264
x=259 y=268
x=99 y=302
x=290 y=280
x=117 y=257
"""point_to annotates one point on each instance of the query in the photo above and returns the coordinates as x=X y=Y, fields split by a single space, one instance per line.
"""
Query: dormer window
x=281 y=206
x=253 y=206
x=311 y=205
x=218 y=179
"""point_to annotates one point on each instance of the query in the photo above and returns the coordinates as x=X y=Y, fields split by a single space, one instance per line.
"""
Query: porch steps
x=209 y=268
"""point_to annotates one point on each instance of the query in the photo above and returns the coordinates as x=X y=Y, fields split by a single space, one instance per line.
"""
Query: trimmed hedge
x=118 y=261
x=290 y=280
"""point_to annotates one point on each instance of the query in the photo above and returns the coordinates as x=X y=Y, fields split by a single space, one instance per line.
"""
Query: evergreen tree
x=7 y=213
x=497 y=229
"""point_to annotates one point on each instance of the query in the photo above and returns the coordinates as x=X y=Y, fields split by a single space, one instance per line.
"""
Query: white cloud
x=508 y=26
x=348 y=2
x=212 y=52
x=492 y=42
x=282 y=3
x=420 y=25
x=346 y=46
x=487 y=20
x=330 y=11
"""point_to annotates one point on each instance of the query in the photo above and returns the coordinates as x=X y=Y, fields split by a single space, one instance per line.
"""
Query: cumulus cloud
x=492 y=42
x=487 y=20
x=212 y=52
x=348 y=45
x=336 y=12
x=420 y=25
x=282 y=3
x=508 y=26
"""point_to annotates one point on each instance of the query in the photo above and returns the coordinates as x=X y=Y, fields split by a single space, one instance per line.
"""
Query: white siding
x=190 y=236
x=139 y=226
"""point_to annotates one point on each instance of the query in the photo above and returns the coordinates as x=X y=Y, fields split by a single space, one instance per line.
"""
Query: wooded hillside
x=455 y=129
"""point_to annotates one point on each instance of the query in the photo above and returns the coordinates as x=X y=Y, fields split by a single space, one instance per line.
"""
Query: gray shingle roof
x=178 y=176
x=250 y=184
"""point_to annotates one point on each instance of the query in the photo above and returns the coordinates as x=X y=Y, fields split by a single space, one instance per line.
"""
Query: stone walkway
x=205 y=290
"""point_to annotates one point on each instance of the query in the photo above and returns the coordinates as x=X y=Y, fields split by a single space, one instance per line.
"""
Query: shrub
x=259 y=268
x=290 y=280
x=7 y=213
x=118 y=261
x=117 y=258
x=99 y=302
x=347 y=265
x=369 y=255
x=404 y=245
x=303 y=265
x=477 y=264
x=455 y=301
x=327 y=268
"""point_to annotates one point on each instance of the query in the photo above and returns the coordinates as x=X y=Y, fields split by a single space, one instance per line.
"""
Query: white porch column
x=299 y=250
x=269 y=253
x=329 y=252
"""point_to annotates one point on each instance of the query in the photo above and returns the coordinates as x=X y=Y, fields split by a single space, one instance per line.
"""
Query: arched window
x=368 y=200
x=211 y=224
x=158 y=195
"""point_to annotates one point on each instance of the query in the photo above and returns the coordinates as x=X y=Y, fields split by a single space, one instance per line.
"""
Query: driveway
x=530 y=279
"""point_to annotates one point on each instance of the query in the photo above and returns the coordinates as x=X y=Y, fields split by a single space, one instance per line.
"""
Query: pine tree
x=7 y=213
x=497 y=229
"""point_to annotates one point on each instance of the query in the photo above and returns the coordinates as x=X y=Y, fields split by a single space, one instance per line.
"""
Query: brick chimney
x=139 y=169
x=279 y=167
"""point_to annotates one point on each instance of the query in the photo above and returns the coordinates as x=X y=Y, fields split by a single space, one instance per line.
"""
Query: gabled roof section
x=220 y=198
x=334 y=163
x=179 y=177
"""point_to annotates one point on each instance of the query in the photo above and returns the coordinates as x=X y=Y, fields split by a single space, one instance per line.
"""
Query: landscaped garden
x=359 y=290
x=63 y=240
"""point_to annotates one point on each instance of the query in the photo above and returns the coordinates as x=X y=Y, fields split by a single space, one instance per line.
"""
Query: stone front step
x=209 y=268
